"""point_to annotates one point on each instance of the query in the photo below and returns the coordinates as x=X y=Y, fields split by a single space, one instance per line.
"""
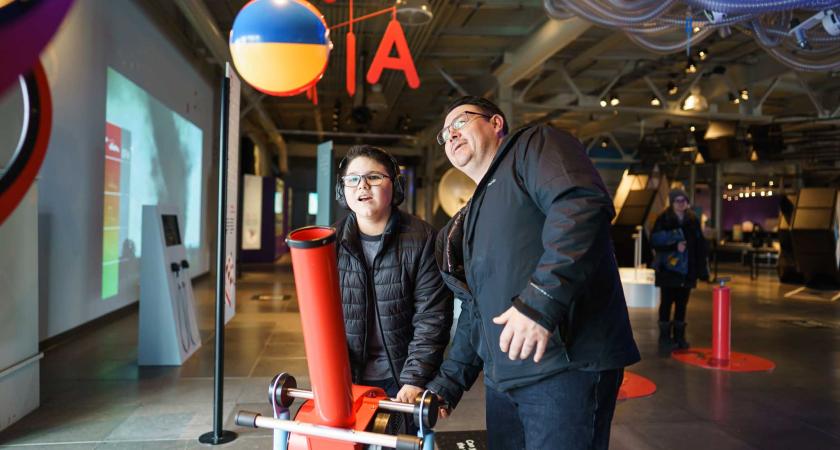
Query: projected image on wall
x=152 y=156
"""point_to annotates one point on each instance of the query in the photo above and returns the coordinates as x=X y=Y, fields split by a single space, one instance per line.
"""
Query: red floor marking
x=738 y=362
x=635 y=386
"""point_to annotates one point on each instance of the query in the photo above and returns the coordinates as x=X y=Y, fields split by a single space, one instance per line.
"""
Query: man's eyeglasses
x=372 y=179
x=680 y=200
x=457 y=123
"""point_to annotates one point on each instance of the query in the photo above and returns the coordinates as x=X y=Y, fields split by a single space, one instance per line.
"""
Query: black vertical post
x=218 y=435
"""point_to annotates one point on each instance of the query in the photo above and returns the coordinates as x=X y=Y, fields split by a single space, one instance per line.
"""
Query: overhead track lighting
x=654 y=101
x=744 y=94
x=614 y=101
x=672 y=88
x=690 y=66
x=695 y=101
x=413 y=12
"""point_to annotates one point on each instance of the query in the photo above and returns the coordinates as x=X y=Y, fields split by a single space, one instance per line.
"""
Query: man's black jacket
x=535 y=236
x=413 y=306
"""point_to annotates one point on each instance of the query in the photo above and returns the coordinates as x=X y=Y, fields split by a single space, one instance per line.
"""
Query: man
x=543 y=312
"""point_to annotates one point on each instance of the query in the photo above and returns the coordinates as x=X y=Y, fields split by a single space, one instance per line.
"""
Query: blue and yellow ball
x=280 y=47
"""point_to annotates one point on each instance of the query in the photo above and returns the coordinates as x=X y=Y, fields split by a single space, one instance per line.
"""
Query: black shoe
x=679 y=335
x=665 y=342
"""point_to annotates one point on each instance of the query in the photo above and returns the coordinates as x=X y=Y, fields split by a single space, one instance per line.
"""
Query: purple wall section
x=754 y=209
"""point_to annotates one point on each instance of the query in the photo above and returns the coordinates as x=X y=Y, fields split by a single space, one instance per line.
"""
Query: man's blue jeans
x=569 y=410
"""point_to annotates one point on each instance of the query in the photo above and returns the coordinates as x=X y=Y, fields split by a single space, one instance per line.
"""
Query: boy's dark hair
x=369 y=151
x=486 y=106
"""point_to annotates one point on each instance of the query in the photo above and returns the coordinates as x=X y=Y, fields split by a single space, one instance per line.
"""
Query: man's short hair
x=486 y=106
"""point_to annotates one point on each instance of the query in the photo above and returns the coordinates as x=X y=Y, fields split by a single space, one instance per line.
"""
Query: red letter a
x=393 y=36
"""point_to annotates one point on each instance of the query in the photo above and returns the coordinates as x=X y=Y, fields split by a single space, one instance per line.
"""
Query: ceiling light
x=745 y=94
x=695 y=101
x=741 y=194
x=614 y=101
x=604 y=143
x=763 y=193
x=654 y=101
x=696 y=29
x=672 y=88
x=702 y=54
x=752 y=194
x=770 y=183
x=735 y=100
x=413 y=12
x=753 y=184
x=769 y=193
x=698 y=158
x=603 y=103
x=692 y=128
x=729 y=186
x=690 y=66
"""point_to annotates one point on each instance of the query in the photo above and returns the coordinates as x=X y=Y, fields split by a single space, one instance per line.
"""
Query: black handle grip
x=427 y=411
x=175 y=267
x=185 y=264
x=247 y=419
x=408 y=442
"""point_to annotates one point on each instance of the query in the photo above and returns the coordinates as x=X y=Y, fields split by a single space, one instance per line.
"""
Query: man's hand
x=521 y=335
x=681 y=247
x=407 y=393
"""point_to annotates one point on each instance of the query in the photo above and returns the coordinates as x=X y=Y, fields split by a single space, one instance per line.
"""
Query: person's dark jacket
x=695 y=249
x=535 y=236
x=413 y=306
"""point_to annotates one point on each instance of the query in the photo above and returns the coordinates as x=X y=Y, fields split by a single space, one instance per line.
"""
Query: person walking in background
x=397 y=310
x=680 y=259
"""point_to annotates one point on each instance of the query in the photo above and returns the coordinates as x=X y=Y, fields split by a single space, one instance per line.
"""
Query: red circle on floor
x=738 y=362
x=635 y=386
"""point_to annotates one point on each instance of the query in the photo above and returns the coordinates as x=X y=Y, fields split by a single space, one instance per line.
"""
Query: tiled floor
x=95 y=396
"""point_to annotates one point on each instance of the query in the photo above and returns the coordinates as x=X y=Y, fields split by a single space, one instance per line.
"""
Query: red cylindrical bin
x=316 y=281
x=720 y=324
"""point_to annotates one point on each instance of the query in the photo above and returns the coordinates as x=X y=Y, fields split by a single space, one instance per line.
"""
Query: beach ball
x=280 y=47
x=25 y=29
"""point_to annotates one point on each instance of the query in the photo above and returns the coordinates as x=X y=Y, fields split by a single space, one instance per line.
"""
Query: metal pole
x=249 y=419
x=388 y=405
x=218 y=435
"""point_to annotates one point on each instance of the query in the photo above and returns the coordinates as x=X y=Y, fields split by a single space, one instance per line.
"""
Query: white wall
x=95 y=35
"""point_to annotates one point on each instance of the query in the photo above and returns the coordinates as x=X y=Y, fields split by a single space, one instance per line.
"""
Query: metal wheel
x=385 y=423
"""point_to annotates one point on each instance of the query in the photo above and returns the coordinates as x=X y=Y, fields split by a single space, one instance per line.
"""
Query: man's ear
x=498 y=124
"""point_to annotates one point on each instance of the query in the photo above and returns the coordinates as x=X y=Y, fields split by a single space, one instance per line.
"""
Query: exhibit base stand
x=737 y=362
x=19 y=354
x=721 y=356
x=640 y=290
x=635 y=386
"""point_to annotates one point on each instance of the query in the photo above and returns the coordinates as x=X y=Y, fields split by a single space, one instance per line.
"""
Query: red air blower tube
x=319 y=300
x=720 y=325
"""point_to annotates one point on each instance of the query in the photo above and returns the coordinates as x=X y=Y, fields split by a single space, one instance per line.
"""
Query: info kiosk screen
x=170 y=230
